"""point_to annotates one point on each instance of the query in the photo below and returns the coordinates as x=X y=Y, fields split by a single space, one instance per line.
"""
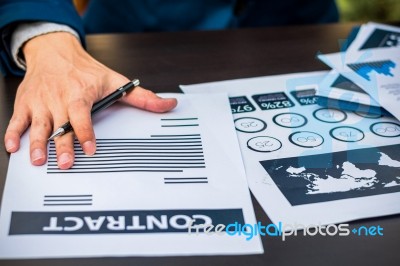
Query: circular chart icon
x=250 y=124
x=368 y=115
x=291 y=120
x=264 y=144
x=306 y=139
x=347 y=134
x=386 y=129
x=330 y=115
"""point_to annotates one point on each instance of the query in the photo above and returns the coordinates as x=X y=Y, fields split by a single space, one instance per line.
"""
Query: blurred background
x=350 y=10
x=369 y=10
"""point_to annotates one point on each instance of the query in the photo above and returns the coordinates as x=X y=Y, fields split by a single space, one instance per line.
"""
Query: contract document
x=154 y=183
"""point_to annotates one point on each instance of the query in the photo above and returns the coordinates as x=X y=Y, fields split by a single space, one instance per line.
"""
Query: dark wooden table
x=162 y=61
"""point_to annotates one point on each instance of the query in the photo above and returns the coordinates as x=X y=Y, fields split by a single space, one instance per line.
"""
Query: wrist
x=47 y=44
x=26 y=31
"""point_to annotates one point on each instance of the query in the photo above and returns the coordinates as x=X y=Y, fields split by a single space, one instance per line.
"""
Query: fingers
x=40 y=129
x=50 y=105
x=17 y=126
x=149 y=101
x=80 y=118
x=65 y=151
x=65 y=143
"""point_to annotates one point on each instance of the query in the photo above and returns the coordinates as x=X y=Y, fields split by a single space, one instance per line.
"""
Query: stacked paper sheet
x=307 y=165
x=364 y=76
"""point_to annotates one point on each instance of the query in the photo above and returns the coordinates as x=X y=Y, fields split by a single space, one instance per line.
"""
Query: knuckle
x=37 y=142
x=42 y=124
x=77 y=104
x=85 y=128
x=145 y=92
x=17 y=121
x=63 y=146
x=84 y=133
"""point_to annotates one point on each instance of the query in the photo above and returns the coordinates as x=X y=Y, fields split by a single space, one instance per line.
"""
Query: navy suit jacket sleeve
x=13 y=12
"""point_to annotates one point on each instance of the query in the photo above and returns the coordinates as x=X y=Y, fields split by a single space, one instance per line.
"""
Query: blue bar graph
x=380 y=67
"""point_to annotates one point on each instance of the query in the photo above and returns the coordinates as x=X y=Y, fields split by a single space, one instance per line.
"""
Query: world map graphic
x=356 y=173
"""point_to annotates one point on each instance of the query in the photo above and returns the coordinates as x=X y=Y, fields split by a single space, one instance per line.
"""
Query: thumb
x=149 y=101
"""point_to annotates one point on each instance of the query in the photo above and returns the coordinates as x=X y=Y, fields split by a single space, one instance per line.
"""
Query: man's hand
x=61 y=84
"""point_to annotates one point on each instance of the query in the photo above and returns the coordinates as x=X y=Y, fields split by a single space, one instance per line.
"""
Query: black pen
x=100 y=105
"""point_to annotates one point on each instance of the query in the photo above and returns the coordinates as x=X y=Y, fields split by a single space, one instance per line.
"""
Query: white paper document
x=376 y=71
x=338 y=90
x=374 y=35
x=153 y=178
x=307 y=164
x=371 y=62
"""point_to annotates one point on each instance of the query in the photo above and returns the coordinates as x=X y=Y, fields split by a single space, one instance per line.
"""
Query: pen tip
x=56 y=133
x=52 y=137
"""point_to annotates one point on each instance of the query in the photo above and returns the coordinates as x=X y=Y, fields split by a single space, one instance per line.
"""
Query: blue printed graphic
x=338 y=175
x=382 y=38
x=380 y=67
x=344 y=83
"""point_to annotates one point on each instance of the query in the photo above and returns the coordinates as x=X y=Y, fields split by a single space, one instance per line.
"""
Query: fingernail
x=10 y=145
x=37 y=156
x=65 y=161
x=89 y=148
